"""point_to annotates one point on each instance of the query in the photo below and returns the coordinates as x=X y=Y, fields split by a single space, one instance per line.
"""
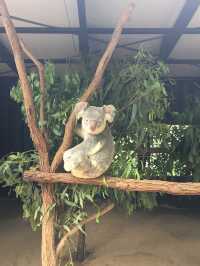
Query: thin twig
x=76 y=228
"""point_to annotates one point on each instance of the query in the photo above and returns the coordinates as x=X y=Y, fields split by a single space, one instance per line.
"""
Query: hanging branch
x=41 y=71
x=174 y=188
x=67 y=139
x=61 y=245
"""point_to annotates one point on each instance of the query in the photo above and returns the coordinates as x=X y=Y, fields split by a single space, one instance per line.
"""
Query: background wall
x=13 y=132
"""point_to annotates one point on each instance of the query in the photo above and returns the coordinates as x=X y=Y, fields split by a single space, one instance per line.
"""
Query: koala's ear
x=80 y=108
x=110 y=112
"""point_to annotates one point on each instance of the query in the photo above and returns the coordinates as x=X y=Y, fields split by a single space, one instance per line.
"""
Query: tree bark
x=41 y=72
x=38 y=136
x=48 y=238
x=174 y=188
x=48 y=231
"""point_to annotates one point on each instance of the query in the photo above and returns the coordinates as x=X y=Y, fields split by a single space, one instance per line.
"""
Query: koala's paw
x=70 y=161
x=68 y=167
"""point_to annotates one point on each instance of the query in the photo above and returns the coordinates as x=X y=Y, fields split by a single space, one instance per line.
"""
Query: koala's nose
x=93 y=125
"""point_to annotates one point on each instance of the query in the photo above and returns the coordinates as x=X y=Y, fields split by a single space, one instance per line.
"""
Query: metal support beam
x=76 y=30
x=45 y=30
x=33 y=22
x=170 y=40
x=72 y=60
x=173 y=61
x=77 y=60
x=83 y=34
x=118 y=46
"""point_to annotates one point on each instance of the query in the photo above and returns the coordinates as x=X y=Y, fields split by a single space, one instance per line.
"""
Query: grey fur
x=93 y=156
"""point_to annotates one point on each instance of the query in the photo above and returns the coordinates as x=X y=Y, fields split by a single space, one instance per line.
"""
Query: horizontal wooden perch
x=174 y=188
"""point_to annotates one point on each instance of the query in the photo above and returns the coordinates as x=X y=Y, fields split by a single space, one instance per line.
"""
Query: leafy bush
x=11 y=169
x=136 y=88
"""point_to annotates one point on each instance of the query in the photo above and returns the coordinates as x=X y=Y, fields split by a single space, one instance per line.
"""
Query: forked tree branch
x=48 y=236
x=41 y=71
x=36 y=135
x=67 y=139
x=61 y=245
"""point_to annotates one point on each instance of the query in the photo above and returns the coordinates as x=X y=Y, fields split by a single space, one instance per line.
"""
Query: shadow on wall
x=13 y=132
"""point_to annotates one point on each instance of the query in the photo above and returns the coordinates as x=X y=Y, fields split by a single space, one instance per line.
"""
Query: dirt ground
x=164 y=237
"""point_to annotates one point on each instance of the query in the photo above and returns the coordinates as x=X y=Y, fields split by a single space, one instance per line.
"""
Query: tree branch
x=75 y=229
x=174 y=188
x=41 y=71
x=35 y=132
x=48 y=236
x=67 y=139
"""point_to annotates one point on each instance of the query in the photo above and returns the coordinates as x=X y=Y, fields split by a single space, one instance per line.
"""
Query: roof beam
x=7 y=57
x=72 y=60
x=45 y=30
x=76 y=30
x=77 y=60
x=173 y=61
x=83 y=34
x=118 y=46
x=142 y=41
x=170 y=39
x=30 y=21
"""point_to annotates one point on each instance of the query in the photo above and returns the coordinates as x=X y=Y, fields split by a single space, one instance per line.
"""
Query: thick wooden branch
x=61 y=245
x=41 y=71
x=105 y=59
x=174 y=188
x=36 y=134
x=48 y=231
x=67 y=139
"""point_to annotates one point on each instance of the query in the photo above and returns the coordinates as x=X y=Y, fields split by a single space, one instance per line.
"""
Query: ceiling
x=61 y=30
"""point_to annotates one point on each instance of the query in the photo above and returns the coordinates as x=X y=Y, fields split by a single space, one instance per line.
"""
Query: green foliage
x=60 y=98
x=135 y=87
x=182 y=140
x=11 y=169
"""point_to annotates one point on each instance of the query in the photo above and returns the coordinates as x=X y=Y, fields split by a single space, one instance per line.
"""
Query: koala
x=93 y=156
